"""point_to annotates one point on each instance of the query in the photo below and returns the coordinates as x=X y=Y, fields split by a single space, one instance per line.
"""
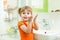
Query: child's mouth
x=25 y=17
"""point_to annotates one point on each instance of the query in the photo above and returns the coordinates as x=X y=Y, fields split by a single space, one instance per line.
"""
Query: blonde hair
x=24 y=8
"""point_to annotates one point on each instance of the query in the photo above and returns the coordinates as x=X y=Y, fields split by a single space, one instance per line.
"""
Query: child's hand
x=34 y=19
x=30 y=19
x=34 y=23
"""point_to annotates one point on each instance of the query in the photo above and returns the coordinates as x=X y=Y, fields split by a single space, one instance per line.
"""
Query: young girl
x=27 y=24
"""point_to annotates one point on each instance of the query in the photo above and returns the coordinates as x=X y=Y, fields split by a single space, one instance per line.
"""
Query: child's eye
x=27 y=13
x=23 y=13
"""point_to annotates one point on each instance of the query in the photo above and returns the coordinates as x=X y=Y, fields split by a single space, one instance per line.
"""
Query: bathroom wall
x=53 y=4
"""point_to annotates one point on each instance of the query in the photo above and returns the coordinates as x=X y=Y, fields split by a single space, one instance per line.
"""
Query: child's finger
x=36 y=14
x=35 y=17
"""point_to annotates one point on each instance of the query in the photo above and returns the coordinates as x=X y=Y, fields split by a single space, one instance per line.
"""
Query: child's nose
x=26 y=14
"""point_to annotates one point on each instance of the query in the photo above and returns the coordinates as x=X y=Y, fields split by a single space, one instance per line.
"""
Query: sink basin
x=46 y=35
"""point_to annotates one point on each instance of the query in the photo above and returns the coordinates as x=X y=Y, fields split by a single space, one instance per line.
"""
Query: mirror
x=40 y=5
x=37 y=5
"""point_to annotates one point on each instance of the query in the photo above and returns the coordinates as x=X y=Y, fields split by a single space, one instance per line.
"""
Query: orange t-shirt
x=25 y=36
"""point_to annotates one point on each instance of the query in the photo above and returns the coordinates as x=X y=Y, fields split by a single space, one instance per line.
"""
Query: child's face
x=26 y=15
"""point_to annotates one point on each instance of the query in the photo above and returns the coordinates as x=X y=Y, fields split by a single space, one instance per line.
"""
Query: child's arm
x=28 y=28
x=35 y=24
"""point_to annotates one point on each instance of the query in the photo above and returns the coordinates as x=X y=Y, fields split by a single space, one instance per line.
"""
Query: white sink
x=46 y=35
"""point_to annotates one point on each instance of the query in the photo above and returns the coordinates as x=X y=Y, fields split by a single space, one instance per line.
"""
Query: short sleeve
x=20 y=23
